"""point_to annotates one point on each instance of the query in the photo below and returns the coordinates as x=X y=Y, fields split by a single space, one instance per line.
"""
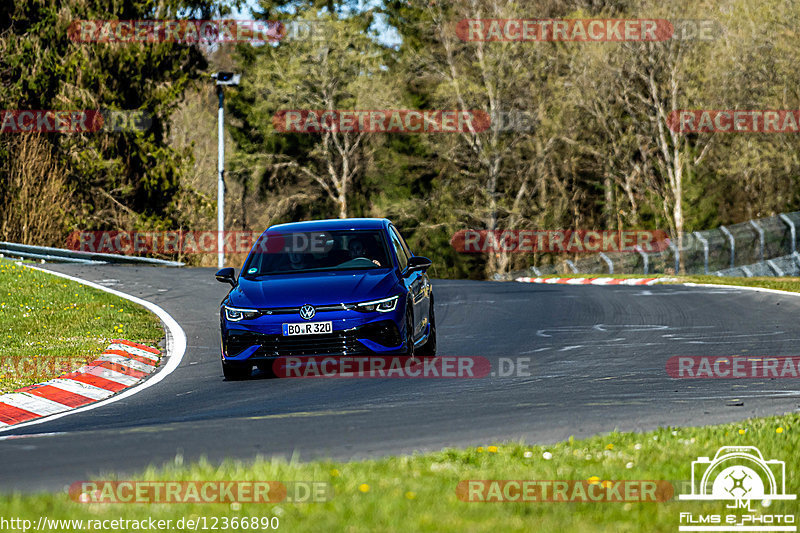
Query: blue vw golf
x=326 y=288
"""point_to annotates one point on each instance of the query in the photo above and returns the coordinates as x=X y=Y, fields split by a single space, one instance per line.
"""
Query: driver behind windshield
x=340 y=250
x=358 y=249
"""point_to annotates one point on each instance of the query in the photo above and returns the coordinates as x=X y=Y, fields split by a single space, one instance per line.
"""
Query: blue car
x=326 y=288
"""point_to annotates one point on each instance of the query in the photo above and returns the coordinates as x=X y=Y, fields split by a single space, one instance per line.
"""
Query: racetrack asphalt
x=597 y=364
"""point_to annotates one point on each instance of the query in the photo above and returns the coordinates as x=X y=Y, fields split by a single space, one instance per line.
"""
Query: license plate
x=307 y=328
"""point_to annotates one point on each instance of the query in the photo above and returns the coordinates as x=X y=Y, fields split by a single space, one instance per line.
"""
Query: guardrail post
x=792 y=230
x=728 y=234
x=775 y=268
x=705 y=250
x=675 y=254
x=644 y=258
x=608 y=262
x=760 y=231
x=571 y=266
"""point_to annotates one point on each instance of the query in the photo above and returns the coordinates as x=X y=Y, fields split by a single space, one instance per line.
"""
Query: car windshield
x=313 y=251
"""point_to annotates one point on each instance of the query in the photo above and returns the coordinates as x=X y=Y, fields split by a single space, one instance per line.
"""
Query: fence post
x=775 y=268
x=792 y=230
x=608 y=262
x=760 y=231
x=572 y=266
x=644 y=258
x=728 y=234
x=675 y=255
x=705 y=250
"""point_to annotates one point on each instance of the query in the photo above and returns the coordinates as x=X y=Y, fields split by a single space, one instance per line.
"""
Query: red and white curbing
x=595 y=281
x=122 y=365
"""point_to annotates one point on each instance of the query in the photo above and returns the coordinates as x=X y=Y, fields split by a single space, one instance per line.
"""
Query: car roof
x=332 y=224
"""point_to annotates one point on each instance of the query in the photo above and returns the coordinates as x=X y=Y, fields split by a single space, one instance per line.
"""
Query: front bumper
x=379 y=335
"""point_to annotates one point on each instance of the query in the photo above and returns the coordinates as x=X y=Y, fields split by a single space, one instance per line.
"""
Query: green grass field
x=418 y=492
x=782 y=284
x=48 y=323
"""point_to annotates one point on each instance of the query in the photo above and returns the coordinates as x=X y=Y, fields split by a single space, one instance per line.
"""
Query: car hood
x=323 y=288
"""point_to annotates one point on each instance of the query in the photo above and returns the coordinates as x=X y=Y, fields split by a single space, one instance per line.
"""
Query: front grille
x=296 y=310
x=336 y=343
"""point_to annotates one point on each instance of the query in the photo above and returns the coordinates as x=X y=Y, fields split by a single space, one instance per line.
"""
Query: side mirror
x=226 y=275
x=418 y=264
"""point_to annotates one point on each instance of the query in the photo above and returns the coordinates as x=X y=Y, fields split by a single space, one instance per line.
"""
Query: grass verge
x=781 y=284
x=418 y=493
x=49 y=323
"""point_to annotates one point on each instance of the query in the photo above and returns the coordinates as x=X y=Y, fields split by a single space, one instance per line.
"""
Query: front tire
x=236 y=371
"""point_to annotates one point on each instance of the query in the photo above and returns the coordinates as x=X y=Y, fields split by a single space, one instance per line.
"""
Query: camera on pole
x=226 y=78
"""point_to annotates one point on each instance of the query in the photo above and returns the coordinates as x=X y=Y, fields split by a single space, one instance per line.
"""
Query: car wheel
x=236 y=371
x=429 y=348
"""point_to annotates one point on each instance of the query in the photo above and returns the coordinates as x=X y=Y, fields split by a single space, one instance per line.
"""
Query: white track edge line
x=174 y=351
x=756 y=289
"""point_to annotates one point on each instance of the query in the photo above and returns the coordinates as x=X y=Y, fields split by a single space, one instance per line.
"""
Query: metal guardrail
x=762 y=247
x=61 y=255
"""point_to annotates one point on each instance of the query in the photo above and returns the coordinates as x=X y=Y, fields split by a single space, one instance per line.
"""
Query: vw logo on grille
x=307 y=312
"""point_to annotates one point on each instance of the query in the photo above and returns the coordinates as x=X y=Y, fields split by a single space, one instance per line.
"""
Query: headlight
x=235 y=314
x=382 y=306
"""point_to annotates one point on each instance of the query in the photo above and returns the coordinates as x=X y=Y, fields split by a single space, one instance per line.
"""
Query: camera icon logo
x=738 y=473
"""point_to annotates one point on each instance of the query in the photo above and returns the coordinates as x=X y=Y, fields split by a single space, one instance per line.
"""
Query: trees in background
x=338 y=66
x=600 y=153
x=106 y=180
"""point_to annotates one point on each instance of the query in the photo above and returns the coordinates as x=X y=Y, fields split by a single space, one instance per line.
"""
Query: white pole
x=220 y=183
